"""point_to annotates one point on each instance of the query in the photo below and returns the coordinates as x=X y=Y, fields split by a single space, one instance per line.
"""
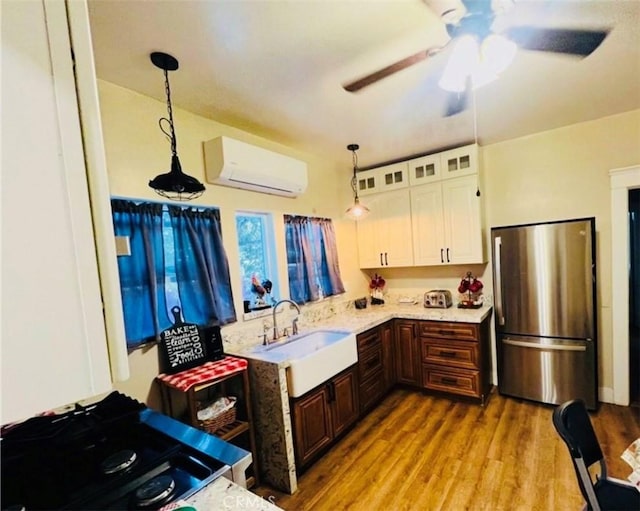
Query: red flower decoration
x=377 y=282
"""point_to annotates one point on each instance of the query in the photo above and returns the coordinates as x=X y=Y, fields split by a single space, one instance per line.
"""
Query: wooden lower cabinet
x=408 y=365
x=376 y=371
x=388 y=355
x=323 y=413
x=456 y=358
x=449 y=357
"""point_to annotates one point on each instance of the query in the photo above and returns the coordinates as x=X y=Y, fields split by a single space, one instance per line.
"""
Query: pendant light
x=358 y=210
x=174 y=185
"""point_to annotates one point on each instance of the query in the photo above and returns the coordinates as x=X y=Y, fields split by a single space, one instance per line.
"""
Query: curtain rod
x=164 y=203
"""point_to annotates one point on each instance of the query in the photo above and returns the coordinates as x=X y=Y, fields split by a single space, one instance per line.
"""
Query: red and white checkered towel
x=208 y=371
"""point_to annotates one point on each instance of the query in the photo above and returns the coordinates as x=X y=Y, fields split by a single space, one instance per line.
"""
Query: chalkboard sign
x=182 y=345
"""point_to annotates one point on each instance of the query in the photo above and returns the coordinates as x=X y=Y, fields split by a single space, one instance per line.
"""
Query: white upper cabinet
x=462 y=221
x=447 y=223
x=367 y=182
x=425 y=169
x=54 y=332
x=384 y=236
x=462 y=161
x=383 y=179
x=437 y=221
x=428 y=225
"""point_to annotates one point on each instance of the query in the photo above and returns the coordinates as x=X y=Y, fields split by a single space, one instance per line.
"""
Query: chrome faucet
x=294 y=326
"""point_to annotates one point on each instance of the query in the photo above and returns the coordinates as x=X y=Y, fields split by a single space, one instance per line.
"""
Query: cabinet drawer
x=370 y=362
x=371 y=390
x=367 y=340
x=456 y=354
x=446 y=330
x=462 y=382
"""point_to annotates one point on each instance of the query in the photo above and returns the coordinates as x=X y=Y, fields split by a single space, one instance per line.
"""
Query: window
x=258 y=267
x=312 y=258
x=176 y=259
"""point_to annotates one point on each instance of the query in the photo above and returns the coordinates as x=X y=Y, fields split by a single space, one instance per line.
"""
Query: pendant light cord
x=354 y=179
x=171 y=135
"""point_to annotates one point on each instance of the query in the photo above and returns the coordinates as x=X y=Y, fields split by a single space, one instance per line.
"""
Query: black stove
x=114 y=454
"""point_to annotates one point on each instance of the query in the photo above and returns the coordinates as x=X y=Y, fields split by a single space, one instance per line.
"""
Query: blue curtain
x=303 y=287
x=141 y=273
x=312 y=258
x=202 y=269
x=330 y=278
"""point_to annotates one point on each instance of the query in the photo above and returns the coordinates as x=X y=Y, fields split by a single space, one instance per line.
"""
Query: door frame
x=622 y=180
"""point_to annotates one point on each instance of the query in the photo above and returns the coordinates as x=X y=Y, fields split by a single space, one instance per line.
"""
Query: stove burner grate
x=118 y=461
x=154 y=491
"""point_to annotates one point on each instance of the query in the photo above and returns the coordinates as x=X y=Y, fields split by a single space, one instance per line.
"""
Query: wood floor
x=419 y=452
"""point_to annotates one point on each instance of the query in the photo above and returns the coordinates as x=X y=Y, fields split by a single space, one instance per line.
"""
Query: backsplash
x=251 y=333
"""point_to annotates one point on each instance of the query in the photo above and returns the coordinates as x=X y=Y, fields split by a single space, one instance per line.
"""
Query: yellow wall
x=557 y=174
x=137 y=151
x=552 y=175
x=561 y=174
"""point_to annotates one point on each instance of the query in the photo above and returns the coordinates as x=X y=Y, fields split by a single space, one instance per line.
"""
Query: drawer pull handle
x=372 y=363
x=449 y=381
x=447 y=332
x=448 y=354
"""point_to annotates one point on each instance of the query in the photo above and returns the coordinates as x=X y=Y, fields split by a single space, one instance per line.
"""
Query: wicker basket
x=214 y=424
x=219 y=421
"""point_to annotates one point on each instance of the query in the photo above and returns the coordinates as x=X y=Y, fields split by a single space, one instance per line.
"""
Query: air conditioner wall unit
x=233 y=163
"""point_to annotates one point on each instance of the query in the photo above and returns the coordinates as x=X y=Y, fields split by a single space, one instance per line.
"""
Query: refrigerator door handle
x=557 y=347
x=497 y=242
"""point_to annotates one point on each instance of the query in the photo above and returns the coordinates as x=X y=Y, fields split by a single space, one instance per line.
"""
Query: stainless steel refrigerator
x=545 y=314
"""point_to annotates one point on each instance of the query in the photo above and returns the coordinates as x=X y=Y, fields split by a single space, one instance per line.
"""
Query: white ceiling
x=276 y=68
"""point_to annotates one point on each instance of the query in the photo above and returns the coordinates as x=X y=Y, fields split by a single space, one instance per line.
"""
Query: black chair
x=601 y=492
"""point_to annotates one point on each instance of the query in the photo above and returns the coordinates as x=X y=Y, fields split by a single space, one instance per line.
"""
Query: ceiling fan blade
x=391 y=69
x=457 y=101
x=557 y=40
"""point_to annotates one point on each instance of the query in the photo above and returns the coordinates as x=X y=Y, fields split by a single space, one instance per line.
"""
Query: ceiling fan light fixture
x=358 y=211
x=463 y=62
x=482 y=62
x=174 y=185
x=497 y=53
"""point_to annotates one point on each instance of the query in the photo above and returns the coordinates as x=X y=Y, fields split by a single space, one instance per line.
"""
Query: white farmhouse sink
x=315 y=357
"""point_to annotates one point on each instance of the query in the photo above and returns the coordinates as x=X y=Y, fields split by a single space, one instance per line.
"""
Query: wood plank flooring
x=420 y=452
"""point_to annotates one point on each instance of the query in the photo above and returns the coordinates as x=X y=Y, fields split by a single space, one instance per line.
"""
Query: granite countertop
x=357 y=321
x=223 y=494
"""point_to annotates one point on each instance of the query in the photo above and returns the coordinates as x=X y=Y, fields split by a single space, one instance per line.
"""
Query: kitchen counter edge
x=357 y=321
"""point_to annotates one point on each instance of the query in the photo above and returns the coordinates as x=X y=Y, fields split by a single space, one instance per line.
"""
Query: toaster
x=438 y=299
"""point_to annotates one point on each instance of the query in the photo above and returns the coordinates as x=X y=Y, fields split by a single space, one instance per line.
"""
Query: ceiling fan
x=478 y=54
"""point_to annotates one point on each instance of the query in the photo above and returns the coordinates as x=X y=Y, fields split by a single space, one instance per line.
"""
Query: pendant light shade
x=174 y=185
x=358 y=211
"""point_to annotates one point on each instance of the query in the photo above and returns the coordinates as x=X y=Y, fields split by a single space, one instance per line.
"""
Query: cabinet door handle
x=442 y=255
x=381 y=263
x=385 y=259
x=448 y=256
